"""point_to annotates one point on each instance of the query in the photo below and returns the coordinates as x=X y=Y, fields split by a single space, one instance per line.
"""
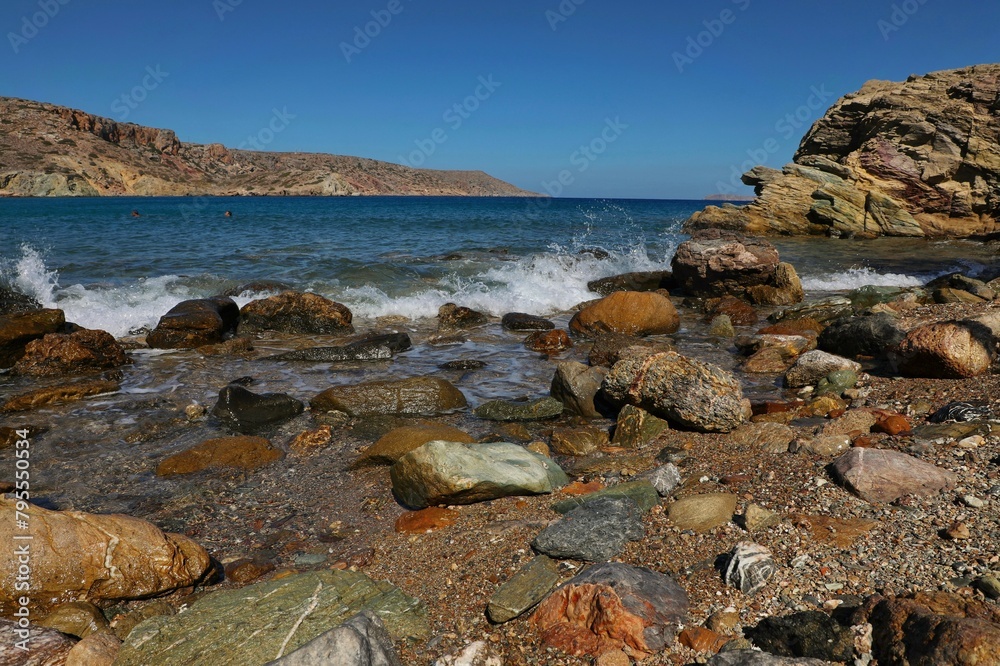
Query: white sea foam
x=854 y=278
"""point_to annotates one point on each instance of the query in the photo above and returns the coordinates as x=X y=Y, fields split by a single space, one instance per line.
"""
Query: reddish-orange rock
x=239 y=452
x=548 y=342
x=701 y=639
x=739 y=312
x=426 y=520
x=893 y=424
x=296 y=312
x=58 y=354
x=628 y=312
x=581 y=488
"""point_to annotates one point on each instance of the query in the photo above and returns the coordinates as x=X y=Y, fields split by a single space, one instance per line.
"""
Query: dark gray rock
x=576 y=386
x=807 y=634
x=12 y=302
x=640 y=281
x=505 y=410
x=247 y=410
x=866 y=334
x=361 y=641
x=595 y=531
x=518 y=321
x=755 y=658
x=463 y=364
x=524 y=590
x=375 y=348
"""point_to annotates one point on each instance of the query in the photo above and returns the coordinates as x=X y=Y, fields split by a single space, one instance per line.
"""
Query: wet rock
x=578 y=441
x=611 y=606
x=246 y=410
x=823 y=311
x=664 y=478
x=414 y=396
x=506 y=410
x=548 y=342
x=238 y=452
x=97 y=558
x=100 y=649
x=123 y=624
x=639 y=281
x=296 y=312
x=195 y=323
x=947 y=350
x=453 y=317
x=374 y=348
x=76 y=618
x=864 y=335
x=768 y=361
x=440 y=473
x=398 y=442
x=231 y=347
x=18 y=329
x=463 y=364
x=576 y=386
x=62 y=354
x=636 y=428
x=892 y=424
x=57 y=395
x=609 y=348
x=595 y=531
x=14 y=302
x=45 y=647
x=690 y=393
x=361 y=641
x=721 y=326
x=702 y=513
x=815 y=365
x=836 y=382
x=248 y=570
x=524 y=590
x=763 y=437
x=310 y=441
x=790 y=346
x=808 y=634
x=740 y=313
x=746 y=657
x=877 y=475
x=629 y=312
x=255 y=624
x=962 y=412
x=749 y=568
x=257 y=287
x=641 y=491
x=425 y=520
x=932 y=628
x=518 y=321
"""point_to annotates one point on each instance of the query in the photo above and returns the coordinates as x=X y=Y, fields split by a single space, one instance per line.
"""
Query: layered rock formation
x=918 y=158
x=48 y=150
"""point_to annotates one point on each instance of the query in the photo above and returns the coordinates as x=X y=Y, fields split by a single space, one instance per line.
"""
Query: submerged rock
x=246 y=410
x=453 y=317
x=398 y=442
x=374 y=348
x=195 y=323
x=238 y=452
x=440 y=473
x=628 y=312
x=414 y=396
x=637 y=281
x=296 y=312
x=57 y=395
x=548 y=342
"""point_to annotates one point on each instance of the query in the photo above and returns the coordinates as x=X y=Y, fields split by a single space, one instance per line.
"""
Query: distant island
x=49 y=150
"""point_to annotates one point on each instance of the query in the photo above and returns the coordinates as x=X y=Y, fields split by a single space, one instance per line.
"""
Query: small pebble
x=973 y=502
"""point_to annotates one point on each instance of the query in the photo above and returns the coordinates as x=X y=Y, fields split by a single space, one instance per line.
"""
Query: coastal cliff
x=48 y=150
x=917 y=158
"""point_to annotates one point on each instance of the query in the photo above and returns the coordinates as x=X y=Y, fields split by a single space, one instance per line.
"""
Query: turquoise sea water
x=385 y=255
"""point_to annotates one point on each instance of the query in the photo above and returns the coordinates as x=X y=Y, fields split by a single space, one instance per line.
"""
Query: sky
x=579 y=98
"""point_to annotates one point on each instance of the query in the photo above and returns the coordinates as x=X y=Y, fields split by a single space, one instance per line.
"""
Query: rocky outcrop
x=81 y=351
x=48 y=150
x=917 y=158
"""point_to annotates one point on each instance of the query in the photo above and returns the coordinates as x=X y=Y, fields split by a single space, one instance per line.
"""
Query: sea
x=382 y=256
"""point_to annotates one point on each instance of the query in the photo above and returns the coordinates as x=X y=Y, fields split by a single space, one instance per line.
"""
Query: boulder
x=246 y=410
x=702 y=513
x=636 y=428
x=441 y=473
x=809 y=634
x=524 y=590
x=269 y=620
x=76 y=618
x=945 y=350
x=56 y=395
x=684 y=391
x=453 y=317
x=398 y=442
x=595 y=531
x=18 y=329
x=296 y=312
x=237 y=452
x=629 y=312
x=816 y=365
x=610 y=606
x=414 y=396
x=548 y=342
x=507 y=410
x=361 y=641
x=576 y=386
x=638 y=281
x=877 y=475
x=195 y=323
x=60 y=354
x=96 y=558
x=740 y=312
x=519 y=321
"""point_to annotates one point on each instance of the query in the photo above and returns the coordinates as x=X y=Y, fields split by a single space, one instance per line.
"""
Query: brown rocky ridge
x=49 y=150
x=917 y=158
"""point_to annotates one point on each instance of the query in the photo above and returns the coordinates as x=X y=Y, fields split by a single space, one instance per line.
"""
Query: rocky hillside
x=48 y=150
x=918 y=158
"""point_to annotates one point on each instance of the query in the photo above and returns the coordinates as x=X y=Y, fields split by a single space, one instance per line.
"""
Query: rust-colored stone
x=580 y=488
x=58 y=354
x=588 y=619
x=240 y=452
x=58 y=394
x=548 y=342
x=629 y=312
x=894 y=424
x=701 y=639
x=426 y=520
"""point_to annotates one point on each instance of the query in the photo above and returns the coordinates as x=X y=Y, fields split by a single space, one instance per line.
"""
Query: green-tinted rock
x=525 y=590
x=76 y=618
x=416 y=395
x=440 y=473
x=722 y=326
x=837 y=382
x=642 y=492
x=869 y=295
x=536 y=410
x=636 y=428
x=252 y=624
x=702 y=513
x=958 y=430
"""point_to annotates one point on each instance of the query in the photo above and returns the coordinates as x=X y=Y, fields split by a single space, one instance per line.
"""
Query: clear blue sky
x=560 y=81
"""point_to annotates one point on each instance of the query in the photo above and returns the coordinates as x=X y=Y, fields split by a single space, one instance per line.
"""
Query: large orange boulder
x=628 y=312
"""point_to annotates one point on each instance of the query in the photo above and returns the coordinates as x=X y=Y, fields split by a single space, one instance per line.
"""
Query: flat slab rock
x=878 y=475
x=755 y=658
x=595 y=531
x=266 y=621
